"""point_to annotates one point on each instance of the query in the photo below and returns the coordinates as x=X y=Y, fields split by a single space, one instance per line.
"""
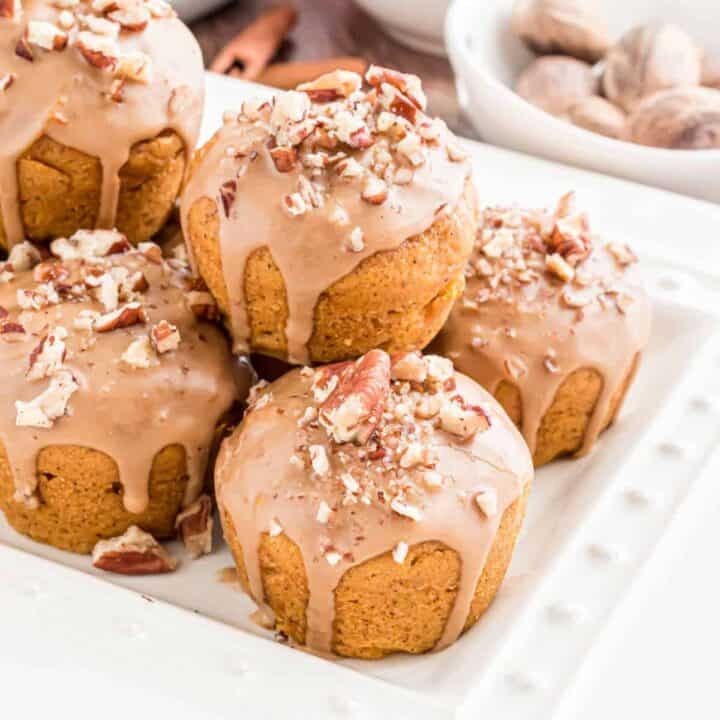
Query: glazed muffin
x=372 y=507
x=106 y=364
x=332 y=220
x=100 y=106
x=553 y=322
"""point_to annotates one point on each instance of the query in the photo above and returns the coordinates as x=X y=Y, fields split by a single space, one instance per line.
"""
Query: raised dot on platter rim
x=606 y=552
x=567 y=613
x=526 y=681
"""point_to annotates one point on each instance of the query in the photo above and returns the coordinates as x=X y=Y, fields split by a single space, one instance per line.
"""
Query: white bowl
x=418 y=24
x=487 y=58
x=190 y=10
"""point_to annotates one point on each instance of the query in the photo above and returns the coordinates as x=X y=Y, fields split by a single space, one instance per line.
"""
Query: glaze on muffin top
x=325 y=176
x=545 y=297
x=104 y=346
x=98 y=76
x=360 y=458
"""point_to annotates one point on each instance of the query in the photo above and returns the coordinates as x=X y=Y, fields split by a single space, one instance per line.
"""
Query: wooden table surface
x=332 y=28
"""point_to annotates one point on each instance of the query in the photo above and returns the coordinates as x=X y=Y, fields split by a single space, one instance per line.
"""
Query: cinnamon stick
x=287 y=76
x=255 y=46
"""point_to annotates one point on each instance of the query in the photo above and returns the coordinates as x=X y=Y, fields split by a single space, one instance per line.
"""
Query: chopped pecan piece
x=408 y=366
x=46 y=36
x=195 y=525
x=152 y=252
x=375 y=190
x=559 y=267
x=140 y=354
x=12 y=332
x=462 y=419
x=126 y=316
x=409 y=85
x=23 y=49
x=132 y=18
x=486 y=500
x=228 y=192
x=135 y=66
x=165 y=337
x=6 y=81
x=203 y=305
x=88 y=244
x=622 y=253
x=160 y=9
x=134 y=553
x=398 y=103
x=42 y=411
x=10 y=8
x=98 y=50
x=50 y=272
x=24 y=256
x=332 y=86
x=48 y=356
x=285 y=158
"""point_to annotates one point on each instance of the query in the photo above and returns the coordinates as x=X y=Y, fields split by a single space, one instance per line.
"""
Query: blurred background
x=299 y=40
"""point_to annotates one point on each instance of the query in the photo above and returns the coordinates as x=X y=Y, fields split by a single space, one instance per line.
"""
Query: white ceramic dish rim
x=457 y=38
x=99 y=615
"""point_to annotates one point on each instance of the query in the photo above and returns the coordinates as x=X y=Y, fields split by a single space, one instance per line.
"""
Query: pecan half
x=354 y=409
x=134 y=553
x=195 y=525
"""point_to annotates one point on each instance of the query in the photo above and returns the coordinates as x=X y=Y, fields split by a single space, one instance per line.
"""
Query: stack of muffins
x=372 y=504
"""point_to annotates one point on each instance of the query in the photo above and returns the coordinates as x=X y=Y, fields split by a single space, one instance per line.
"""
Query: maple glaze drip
x=275 y=187
x=531 y=318
x=128 y=412
x=270 y=478
x=61 y=95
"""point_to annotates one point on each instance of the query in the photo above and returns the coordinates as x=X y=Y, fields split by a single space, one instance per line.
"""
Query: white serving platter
x=594 y=526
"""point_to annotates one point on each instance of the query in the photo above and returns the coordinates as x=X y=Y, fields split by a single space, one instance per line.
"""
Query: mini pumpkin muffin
x=106 y=363
x=372 y=506
x=100 y=107
x=332 y=220
x=552 y=322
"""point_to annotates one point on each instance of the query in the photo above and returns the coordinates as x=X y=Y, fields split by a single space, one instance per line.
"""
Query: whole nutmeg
x=554 y=83
x=680 y=118
x=565 y=27
x=599 y=116
x=711 y=71
x=647 y=59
